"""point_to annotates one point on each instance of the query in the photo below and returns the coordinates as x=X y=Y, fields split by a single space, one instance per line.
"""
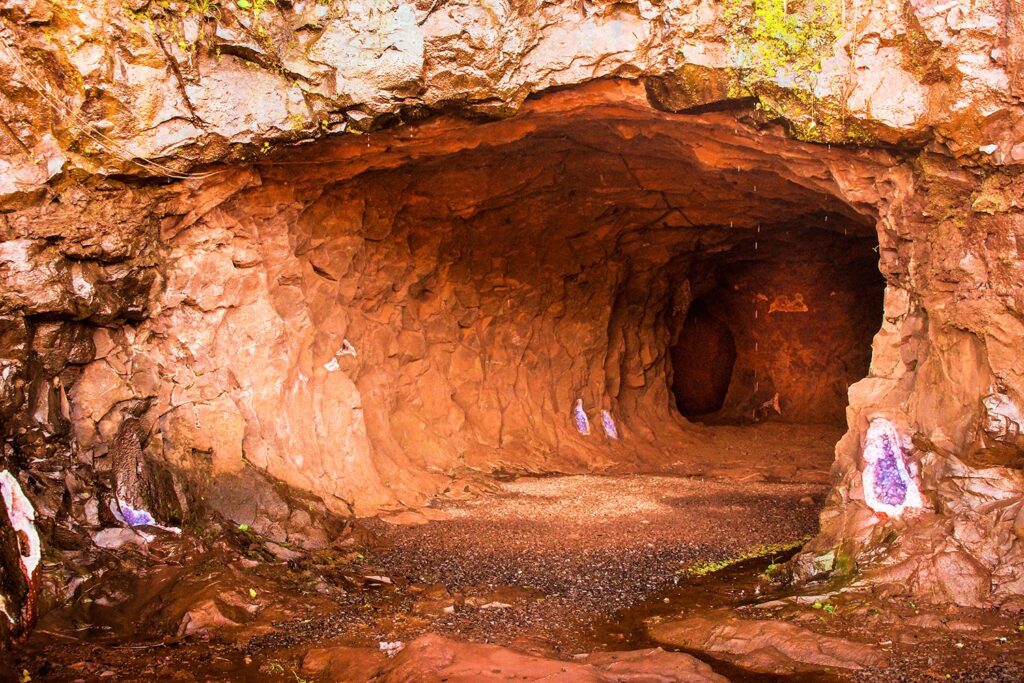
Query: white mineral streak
x=22 y=516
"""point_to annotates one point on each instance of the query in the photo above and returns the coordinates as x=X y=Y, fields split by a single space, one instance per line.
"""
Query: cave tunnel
x=779 y=326
x=702 y=360
x=569 y=290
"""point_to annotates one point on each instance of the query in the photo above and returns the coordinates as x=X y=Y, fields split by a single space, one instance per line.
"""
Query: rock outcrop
x=764 y=645
x=433 y=658
x=437 y=280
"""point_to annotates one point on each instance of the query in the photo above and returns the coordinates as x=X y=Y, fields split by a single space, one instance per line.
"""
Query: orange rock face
x=364 y=316
x=359 y=326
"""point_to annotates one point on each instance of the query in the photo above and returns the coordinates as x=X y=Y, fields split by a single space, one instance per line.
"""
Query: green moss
x=778 y=48
x=782 y=39
x=844 y=565
x=810 y=118
x=990 y=203
x=705 y=567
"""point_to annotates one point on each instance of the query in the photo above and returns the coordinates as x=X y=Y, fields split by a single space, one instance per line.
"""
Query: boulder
x=764 y=645
x=433 y=659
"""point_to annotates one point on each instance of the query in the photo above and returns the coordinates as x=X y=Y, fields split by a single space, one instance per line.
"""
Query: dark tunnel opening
x=704 y=358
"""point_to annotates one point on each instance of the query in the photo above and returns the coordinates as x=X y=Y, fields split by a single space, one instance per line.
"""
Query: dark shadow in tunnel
x=703 y=361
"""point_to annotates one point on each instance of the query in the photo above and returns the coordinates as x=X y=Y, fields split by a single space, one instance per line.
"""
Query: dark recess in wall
x=703 y=359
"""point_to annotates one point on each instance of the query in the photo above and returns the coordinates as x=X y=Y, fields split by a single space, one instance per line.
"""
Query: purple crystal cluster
x=889 y=487
x=133 y=517
x=888 y=480
x=579 y=416
x=608 y=422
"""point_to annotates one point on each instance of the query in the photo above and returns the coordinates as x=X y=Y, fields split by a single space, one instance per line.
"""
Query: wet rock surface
x=552 y=576
x=769 y=646
x=432 y=658
x=204 y=317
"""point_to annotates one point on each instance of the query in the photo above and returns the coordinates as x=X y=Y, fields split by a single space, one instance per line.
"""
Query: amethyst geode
x=579 y=416
x=888 y=486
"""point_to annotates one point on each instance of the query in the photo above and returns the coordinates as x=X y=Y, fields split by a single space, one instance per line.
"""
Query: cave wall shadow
x=704 y=357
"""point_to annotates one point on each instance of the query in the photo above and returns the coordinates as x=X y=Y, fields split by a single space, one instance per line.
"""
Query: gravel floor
x=588 y=545
x=555 y=566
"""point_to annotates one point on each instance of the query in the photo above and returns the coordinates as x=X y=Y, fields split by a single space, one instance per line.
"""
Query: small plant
x=257 y=7
x=205 y=8
x=826 y=607
x=248 y=531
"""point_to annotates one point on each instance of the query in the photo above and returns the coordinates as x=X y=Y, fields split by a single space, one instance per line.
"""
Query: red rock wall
x=362 y=320
x=946 y=370
x=803 y=307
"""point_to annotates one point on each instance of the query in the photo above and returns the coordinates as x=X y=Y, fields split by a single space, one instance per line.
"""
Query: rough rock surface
x=764 y=645
x=361 y=317
x=360 y=336
x=432 y=658
x=144 y=87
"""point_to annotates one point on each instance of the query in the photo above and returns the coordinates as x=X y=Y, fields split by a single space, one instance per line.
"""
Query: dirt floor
x=566 y=553
x=551 y=566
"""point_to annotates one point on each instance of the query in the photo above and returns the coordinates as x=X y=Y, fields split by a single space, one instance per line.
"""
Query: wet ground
x=566 y=553
x=554 y=566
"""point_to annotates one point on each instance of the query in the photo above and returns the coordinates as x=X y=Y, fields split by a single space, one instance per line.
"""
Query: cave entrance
x=379 y=320
x=567 y=290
